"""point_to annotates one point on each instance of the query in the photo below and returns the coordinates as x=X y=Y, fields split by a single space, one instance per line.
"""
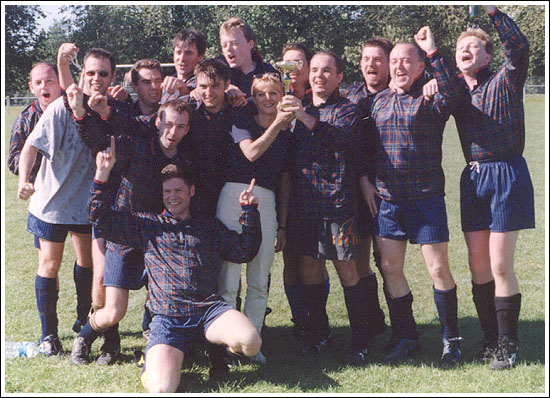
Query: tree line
x=146 y=31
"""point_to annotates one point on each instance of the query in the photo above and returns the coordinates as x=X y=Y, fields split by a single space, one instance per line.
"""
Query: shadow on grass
x=287 y=368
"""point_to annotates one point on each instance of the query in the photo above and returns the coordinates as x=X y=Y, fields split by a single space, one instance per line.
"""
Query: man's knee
x=49 y=261
x=502 y=269
x=251 y=342
x=347 y=272
x=116 y=303
x=112 y=314
x=439 y=270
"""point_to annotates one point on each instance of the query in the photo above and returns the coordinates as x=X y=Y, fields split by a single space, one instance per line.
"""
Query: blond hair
x=236 y=23
x=480 y=34
x=268 y=79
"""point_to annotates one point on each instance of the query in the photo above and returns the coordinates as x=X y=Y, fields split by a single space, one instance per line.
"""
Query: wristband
x=79 y=119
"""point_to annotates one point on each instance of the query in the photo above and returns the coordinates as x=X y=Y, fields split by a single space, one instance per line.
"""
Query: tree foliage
x=20 y=36
x=143 y=31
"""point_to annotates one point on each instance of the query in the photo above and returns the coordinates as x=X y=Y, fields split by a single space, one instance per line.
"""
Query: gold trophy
x=286 y=68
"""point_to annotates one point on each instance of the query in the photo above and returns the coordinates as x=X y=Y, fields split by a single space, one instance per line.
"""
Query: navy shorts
x=421 y=221
x=179 y=332
x=96 y=233
x=126 y=271
x=53 y=232
x=497 y=196
x=324 y=239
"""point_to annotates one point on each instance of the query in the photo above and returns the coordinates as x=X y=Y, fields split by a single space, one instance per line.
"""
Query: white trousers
x=257 y=271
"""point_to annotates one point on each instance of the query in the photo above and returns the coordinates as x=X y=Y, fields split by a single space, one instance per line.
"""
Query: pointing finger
x=251 y=187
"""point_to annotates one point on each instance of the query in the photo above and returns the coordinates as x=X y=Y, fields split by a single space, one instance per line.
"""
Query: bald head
x=406 y=65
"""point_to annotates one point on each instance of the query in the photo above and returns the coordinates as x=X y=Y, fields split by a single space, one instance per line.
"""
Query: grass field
x=286 y=371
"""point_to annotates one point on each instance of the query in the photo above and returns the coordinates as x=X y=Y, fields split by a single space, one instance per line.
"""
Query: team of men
x=366 y=162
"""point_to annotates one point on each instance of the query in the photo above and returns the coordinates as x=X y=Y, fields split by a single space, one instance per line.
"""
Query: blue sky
x=52 y=13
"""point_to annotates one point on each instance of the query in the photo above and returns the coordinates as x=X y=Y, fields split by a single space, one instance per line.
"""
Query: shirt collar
x=332 y=99
x=482 y=74
x=35 y=106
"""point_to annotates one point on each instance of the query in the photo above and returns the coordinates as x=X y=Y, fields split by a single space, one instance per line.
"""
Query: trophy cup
x=286 y=68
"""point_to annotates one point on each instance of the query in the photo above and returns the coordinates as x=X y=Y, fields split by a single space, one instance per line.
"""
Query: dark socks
x=484 y=300
x=507 y=313
x=89 y=333
x=46 y=303
x=372 y=304
x=447 y=308
x=357 y=313
x=296 y=302
x=111 y=335
x=314 y=297
x=83 y=282
x=402 y=320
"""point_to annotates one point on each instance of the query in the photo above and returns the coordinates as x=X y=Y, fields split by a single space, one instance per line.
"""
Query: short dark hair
x=191 y=36
x=298 y=47
x=177 y=171
x=102 y=54
x=420 y=53
x=146 y=63
x=214 y=69
x=377 y=41
x=177 y=105
x=46 y=65
x=337 y=60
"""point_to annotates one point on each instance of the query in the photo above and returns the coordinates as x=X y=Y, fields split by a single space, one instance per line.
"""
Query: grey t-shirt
x=67 y=170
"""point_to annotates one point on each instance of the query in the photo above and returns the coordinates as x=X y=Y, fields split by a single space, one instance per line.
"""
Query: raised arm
x=243 y=247
x=516 y=46
x=64 y=55
x=119 y=227
x=449 y=84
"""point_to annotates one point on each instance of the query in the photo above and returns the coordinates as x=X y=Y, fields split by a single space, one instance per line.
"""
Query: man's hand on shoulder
x=235 y=96
x=118 y=93
x=172 y=84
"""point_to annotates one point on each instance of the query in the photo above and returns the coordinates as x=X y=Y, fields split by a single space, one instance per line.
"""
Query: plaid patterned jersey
x=324 y=171
x=410 y=131
x=21 y=129
x=491 y=120
x=182 y=257
x=139 y=161
x=362 y=98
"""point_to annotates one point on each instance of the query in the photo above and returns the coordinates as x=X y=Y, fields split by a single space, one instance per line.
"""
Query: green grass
x=287 y=372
